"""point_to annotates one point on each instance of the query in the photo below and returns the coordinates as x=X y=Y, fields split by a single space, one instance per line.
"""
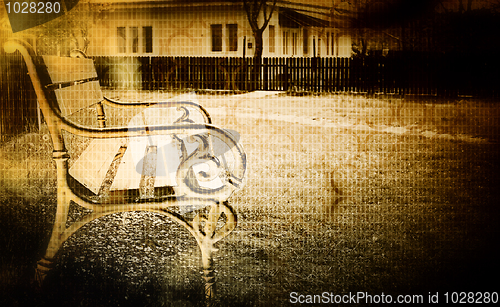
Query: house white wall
x=176 y=31
x=187 y=31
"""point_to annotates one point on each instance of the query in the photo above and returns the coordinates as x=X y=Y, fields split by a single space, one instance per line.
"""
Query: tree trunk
x=259 y=44
x=257 y=58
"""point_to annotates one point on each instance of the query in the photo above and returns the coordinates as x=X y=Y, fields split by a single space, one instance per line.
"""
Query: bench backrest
x=74 y=82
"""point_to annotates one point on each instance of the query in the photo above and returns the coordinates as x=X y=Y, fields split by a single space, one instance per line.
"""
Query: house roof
x=293 y=19
x=316 y=6
x=161 y=3
x=311 y=3
x=292 y=13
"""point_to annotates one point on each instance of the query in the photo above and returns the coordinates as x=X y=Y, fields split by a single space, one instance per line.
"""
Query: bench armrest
x=179 y=104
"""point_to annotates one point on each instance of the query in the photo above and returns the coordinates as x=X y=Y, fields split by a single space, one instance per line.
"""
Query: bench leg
x=46 y=263
x=208 y=272
x=56 y=239
x=42 y=269
x=208 y=231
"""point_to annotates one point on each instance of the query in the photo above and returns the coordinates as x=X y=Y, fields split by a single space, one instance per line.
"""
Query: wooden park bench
x=168 y=159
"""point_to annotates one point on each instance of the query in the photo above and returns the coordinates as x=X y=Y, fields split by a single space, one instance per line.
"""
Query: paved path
x=258 y=94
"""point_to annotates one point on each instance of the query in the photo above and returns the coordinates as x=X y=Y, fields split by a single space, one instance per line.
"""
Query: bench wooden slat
x=66 y=69
x=168 y=161
x=146 y=186
x=77 y=97
x=93 y=164
x=130 y=168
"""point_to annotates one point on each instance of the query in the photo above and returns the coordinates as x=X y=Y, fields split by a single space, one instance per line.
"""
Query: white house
x=213 y=28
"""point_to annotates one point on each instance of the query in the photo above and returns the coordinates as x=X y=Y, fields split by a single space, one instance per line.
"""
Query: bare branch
x=253 y=9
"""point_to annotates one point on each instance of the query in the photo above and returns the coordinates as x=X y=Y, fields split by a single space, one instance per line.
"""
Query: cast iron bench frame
x=206 y=228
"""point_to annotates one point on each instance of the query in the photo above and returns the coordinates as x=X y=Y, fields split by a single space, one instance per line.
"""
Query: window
x=286 y=35
x=327 y=43
x=272 y=39
x=331 y=44
x=131 y=40
x=334 y=39
x=216 y=37
x=337 y=48
x=306 y=41
x=294 y=43
x=122 y=39
x=147 y=39
x=134 y=34
x=232 y=37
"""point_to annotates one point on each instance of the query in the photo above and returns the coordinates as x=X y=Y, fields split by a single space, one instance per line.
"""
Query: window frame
x=305 y=43
x=216 y=37
x=232 y=37
x=272 y=39
x=286 y=38
x=121 y=40
x=134 y=40
x=147 y=39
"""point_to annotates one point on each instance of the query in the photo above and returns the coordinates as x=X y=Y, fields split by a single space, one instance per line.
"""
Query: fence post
x=258 y=71
x=354 y=75
x=285 y=74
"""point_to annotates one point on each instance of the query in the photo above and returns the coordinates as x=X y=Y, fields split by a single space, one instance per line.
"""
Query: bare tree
x=254 y=9
x=70 y=31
